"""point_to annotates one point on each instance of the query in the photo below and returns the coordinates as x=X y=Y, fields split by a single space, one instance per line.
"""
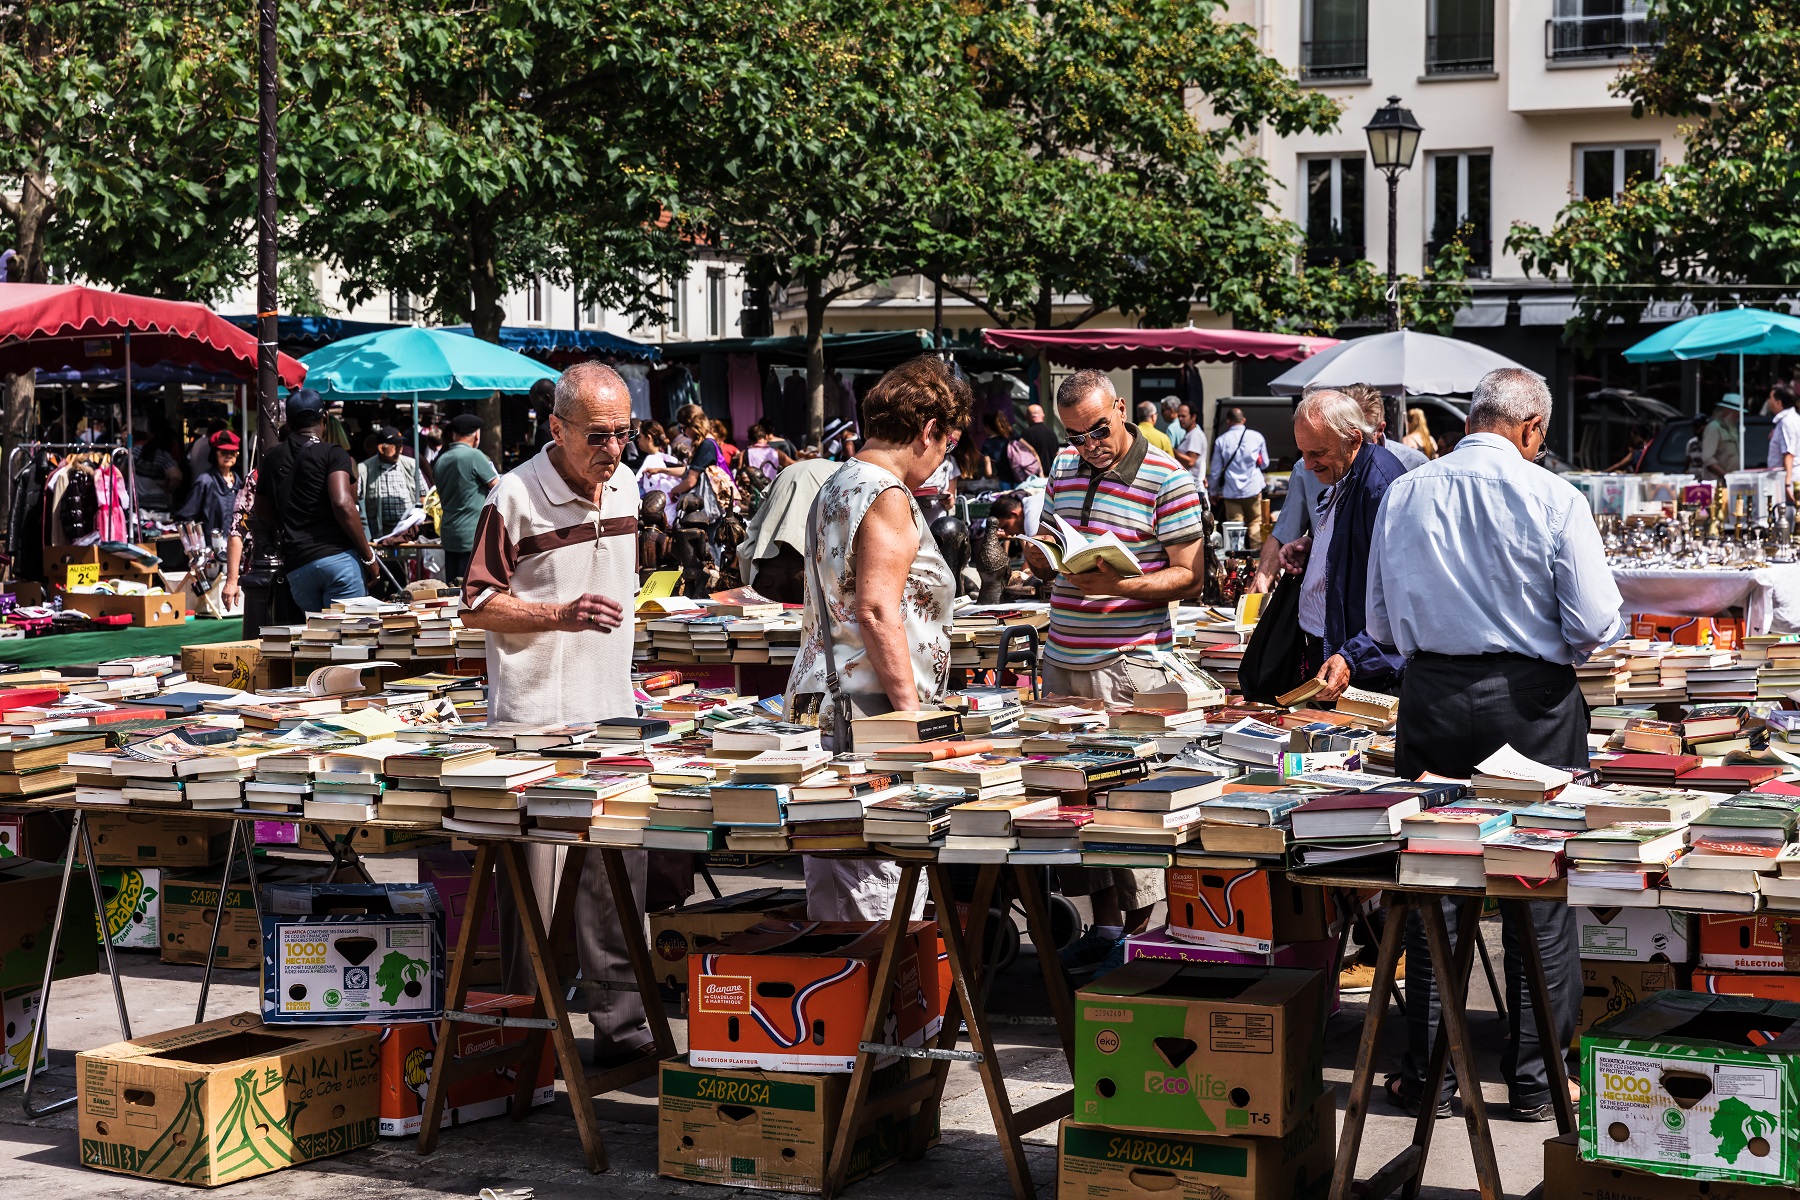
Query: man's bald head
x=592 y=423
x=591 y=390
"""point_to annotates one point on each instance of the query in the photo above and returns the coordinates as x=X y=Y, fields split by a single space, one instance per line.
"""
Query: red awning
x=1115 y=348
x=54 y=327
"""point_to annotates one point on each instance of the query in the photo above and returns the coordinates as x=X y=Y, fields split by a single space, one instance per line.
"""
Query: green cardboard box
x=1094 y=1162
x=1697 y=1086
x=1200 y=1048
x=27 y=909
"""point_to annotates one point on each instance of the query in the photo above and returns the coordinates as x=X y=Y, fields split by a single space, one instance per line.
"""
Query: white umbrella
x=1415 y=363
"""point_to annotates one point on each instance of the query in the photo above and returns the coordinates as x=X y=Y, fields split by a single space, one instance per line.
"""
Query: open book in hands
x=1070 y=553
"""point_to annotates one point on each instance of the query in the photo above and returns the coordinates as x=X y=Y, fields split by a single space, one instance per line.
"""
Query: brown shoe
x=1400 y=970
x=1356 y=979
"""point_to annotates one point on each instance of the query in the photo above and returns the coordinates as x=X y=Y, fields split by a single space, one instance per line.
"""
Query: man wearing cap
x=388 y=485
x=552 y=578
x=1719 y=440
x=308 y=497
x=464 y=476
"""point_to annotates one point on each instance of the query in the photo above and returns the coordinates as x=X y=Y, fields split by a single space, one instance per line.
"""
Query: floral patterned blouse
x=925 y=608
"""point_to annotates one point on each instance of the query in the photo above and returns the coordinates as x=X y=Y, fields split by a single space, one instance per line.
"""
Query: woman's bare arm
x=886 y=545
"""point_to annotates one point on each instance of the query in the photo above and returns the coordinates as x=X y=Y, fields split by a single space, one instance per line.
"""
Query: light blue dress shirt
x=1238 y=457
x=1480 y=552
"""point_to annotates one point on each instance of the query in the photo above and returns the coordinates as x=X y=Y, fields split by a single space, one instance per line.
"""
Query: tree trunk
x=815 y=359
x=29 y=213
x=1043 y=317
x=485 y=318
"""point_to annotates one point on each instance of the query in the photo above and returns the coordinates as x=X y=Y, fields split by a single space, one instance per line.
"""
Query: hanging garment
x=75 y=511
x=111 y=500
x=637 y=382
x=745 y=389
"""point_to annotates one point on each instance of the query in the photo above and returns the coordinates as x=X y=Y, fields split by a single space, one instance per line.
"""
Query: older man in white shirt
x=1487 y=573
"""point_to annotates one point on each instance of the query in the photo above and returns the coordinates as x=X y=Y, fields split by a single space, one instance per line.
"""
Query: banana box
x=408 y=1049
x=133 y=907
x=349 y=953
x=1699 y=1086
x=793 y=995
x=19 y=1009
x=1609 y=988
x=1249 y=910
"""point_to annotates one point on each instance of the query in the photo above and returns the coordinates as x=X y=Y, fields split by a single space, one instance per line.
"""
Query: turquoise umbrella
x=412 y=361
x=1728 y=331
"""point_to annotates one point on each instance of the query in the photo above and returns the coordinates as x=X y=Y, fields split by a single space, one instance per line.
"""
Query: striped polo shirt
x=1149 y=500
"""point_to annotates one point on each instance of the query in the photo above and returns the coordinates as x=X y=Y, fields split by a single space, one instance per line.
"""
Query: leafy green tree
x=1729 y=212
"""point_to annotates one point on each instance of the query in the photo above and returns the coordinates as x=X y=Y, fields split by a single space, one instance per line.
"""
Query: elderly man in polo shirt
x=1110 y=635
x=551 y=580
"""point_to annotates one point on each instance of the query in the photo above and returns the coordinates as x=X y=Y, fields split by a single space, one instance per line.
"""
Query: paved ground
x=38 y=1158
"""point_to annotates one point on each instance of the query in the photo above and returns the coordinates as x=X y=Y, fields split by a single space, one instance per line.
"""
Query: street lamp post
x=1393 y=141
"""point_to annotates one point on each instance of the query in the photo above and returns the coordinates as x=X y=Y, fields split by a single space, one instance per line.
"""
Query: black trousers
x=1454 y=712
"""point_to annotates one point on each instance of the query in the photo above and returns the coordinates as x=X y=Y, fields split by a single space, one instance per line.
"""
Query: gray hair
x=1171 y=403
x=1146 y=411
x=1335 y=411
x=583 y=380
x=1507 y=397
x=1081 y=385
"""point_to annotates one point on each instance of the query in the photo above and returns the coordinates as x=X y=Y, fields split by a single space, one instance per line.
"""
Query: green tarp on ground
x=71 y=649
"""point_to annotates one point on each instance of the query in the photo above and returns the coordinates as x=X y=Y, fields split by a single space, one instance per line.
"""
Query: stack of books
x=915 y=817
x=1731 y=846
x=488 y=796
x=1621 y=865
x=577 y=805
x=1147 y=819
x=827 y=810
x=1444 y=845
x=1254 y=742
x=36 y=767
x=981 y=831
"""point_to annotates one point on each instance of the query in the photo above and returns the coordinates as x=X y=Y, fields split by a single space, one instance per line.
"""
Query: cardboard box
x=146 y=612
x=342 y=953
x=450 y=872
x=1609 y=988
x=793 y=995
x=33 y=835
x=229 y=664
x=19 y=1008
x=689 y=928
x=1094 y=1162
x=27 y=913
x=57 y=560
x=1633 y=934
x=408 y=1049
x=226 y=1100
x=1249 y=910
x=140 y=839
x=1754 y=942
x=1314 y=956
x=188 y=908
x=1706 y=1087
x=768 y=1130
x=133 y=907
x=1200 y=1049
x=1761 y=985
x=1568 y=1177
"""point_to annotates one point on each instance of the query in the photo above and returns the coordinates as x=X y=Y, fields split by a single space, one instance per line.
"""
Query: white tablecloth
x=1769 y=596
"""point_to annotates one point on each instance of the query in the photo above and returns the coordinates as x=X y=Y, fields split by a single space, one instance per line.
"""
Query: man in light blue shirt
x=1238 y=458
x=1487 y=573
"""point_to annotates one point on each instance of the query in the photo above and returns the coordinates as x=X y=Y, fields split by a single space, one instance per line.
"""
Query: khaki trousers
x=1249 y=511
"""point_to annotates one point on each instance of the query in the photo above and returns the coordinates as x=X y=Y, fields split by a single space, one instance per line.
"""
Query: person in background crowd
x=1039 y=436
x=1418 y=433
x=706 y=453
x=1237 y=474
x=1146 y=415
x=213 y=498
x=252 y=545
x=200 y=450
x=974 y=470
x=389 y=485
x=1374 y=410
x=888 y=595
x=542 y=398
x=993 y=546
x=1171 y=418
x=159 y=476
x=310 y=500
x=840 y=440
x=552 y=579
x=681 y=437
x=1331 y=433
x=762 y=455
x=1784 y=438
x=465 y=476
x=658 y=468
x=1637 y=445
x=1108 y=635
x=721 y=436
x=1719 y=449
x=997 y=427
x=1190 y=444
x=1487 y=573
x=771 y=557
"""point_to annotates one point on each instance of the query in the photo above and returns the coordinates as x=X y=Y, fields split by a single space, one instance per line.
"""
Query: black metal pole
x=1393 y=289
x=268 y=404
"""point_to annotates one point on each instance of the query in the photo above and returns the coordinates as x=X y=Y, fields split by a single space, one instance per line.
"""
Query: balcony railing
x=1459 y=53
x=1340 y=58
x=1572 y=39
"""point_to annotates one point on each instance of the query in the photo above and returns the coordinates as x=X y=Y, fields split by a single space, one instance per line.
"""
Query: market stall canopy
x=1409 y=362
x=65 y=328
x=428 y=363
x=877 y=351
x=567 y=346
x=1752 y=331
x=1111 y=349
x=306 y=333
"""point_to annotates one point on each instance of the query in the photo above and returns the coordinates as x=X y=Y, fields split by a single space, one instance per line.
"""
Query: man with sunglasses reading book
x=552 y=578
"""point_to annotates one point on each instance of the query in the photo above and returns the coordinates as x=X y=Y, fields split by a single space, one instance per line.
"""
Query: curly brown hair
x=914 y=394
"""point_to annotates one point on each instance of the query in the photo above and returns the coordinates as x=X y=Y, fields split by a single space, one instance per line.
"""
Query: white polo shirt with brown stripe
x=540 y=541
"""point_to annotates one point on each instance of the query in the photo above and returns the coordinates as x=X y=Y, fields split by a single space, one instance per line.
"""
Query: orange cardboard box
x=1248 y=910
x=407 y=1050
x=1759 y=942
x=793 y=995
x=1760 y=986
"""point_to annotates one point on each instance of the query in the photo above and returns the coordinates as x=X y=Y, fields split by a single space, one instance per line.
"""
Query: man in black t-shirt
x=1040 y=437
x=309 y=499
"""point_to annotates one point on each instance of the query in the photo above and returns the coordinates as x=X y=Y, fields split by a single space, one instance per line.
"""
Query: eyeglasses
x=1101 y=429
x=599 y=437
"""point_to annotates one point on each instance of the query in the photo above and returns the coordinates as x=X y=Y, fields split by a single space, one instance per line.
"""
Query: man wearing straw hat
x=1719 y=450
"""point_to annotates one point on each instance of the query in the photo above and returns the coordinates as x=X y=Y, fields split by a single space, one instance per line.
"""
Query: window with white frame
x=715 y=302
x=534 y=301
x=1332 y=209
x=400 y=307
x=1604 y=172
x=677 y=306
x=1462 y=202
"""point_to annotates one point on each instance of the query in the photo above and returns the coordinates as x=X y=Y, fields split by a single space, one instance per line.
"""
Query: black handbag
x=1273 y=659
